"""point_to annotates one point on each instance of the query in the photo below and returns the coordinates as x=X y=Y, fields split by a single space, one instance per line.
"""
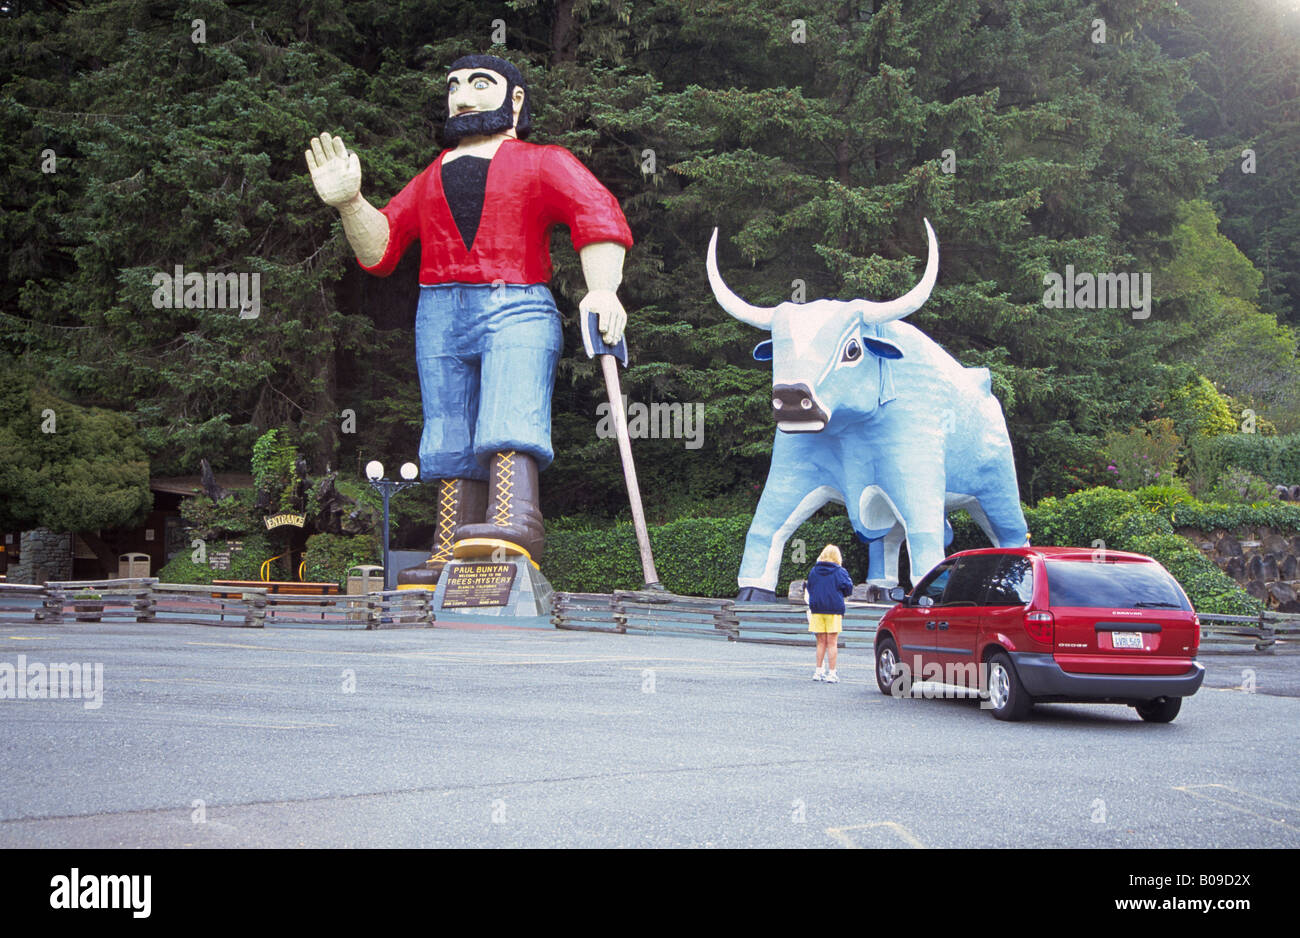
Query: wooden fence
x=657 y=612
x=786 y=623
x=1267 y=632
x=147 y=600
x=144 y=599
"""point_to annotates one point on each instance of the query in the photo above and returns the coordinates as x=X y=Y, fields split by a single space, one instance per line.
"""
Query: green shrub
x=1241 y=485
x=245 y=564
x=231 y=517
x=1198 y=409
x=1078 y=519
x=1282 y=516
x=1122 y=530
x=693 y=556
x=329 y=557
x=275 y=468
x=1275 y=459
x=1163 y=498
x=1146 y=454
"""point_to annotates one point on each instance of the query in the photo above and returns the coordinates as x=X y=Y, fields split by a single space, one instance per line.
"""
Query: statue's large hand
x=612 y=318
x=335 y=172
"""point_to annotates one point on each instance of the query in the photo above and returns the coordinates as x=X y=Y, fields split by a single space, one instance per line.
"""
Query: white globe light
x=374 y=470
x=410 y=470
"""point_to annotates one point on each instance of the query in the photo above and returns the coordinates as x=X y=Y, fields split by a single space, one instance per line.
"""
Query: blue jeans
x=486 y=357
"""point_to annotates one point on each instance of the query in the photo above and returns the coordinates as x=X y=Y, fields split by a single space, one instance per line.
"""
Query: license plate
x=1126 y=640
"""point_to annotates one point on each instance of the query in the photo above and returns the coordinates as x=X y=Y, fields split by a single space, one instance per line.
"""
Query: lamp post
x=387 y=488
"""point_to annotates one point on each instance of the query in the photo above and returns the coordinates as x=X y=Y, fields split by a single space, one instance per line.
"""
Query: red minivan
x=1026 y=625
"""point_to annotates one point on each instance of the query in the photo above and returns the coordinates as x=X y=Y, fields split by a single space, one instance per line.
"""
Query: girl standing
x=828 y=584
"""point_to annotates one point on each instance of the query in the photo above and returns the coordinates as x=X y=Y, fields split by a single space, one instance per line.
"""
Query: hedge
x=245 y=564
x=1283 y=516
x=701 y=556
x=331 y=556
x=693 y=556
x=1276 y=459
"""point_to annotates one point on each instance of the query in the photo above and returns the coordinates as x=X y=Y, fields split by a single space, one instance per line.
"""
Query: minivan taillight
x=1196 y=633
x=1040 y=625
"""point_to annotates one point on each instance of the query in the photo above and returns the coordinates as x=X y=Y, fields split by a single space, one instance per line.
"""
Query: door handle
x=930 y=626
x=943 y=626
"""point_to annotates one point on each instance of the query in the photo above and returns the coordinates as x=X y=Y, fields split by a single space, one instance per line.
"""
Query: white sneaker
x=819 y=675
x=832 y=678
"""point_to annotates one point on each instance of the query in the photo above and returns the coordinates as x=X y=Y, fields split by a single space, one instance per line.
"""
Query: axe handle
x=610 y=367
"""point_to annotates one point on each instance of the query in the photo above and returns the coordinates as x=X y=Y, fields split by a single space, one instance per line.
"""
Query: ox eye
x=852 y=351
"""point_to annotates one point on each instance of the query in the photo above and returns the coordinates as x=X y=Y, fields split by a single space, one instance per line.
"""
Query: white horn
x=754 y=315
x=914 y=298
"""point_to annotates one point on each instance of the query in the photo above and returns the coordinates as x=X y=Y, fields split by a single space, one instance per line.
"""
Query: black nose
x=794 y=403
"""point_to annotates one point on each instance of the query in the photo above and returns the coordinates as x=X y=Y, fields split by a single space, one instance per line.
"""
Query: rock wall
x=44 y=556
x=1265 y=562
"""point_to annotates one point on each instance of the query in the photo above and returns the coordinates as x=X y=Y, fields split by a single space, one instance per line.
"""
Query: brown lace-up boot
x=514 y=514
x=460 y=501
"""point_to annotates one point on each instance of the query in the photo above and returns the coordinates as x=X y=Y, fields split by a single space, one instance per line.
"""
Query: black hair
x=514 y=79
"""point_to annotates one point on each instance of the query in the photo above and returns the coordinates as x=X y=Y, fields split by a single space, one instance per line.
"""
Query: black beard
x=479 y=123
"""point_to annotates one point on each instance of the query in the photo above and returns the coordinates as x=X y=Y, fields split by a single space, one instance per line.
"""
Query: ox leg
x=925 y=551
x=893 y=546
x=781 y=509
x=921 y=511
x=977 y=513
x=1002 y=519
x=875 y=560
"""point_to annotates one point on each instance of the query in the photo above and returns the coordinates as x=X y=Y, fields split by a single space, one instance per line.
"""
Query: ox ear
x=882 y=348
x=763 y=351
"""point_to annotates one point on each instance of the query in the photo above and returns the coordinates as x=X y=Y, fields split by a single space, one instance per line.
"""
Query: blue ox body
x=874 y=415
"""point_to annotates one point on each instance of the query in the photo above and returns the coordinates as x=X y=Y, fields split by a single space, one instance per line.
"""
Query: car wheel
x=1160 y=710
x=889 y=677
x=1007 y=698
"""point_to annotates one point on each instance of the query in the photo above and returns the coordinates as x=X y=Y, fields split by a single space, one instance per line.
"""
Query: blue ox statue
x=876 y=416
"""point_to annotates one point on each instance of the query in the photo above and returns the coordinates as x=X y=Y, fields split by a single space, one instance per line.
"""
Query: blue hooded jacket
x=828 y=584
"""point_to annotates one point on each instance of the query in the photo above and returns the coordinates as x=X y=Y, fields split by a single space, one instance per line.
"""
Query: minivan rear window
x=1119 y=584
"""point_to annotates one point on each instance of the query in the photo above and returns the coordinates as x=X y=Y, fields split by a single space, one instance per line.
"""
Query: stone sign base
x=512 y=587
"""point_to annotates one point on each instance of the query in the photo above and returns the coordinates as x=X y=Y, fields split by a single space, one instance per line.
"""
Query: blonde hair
x=832 y=553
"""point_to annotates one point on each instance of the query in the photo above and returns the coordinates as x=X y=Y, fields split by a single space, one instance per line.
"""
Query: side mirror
x=925 y=601
x=897 y=594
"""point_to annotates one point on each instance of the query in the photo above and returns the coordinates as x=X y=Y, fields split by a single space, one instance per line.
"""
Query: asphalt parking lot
x=467 y=737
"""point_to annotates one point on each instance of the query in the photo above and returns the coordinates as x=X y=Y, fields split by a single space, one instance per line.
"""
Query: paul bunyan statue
x=487 y=331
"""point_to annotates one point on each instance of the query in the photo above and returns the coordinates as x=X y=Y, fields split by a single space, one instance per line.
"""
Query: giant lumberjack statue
x=487 y=332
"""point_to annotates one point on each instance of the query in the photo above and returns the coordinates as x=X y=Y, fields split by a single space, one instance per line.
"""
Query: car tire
x=1006 y=696
x=888 y=678
x=1160 y=710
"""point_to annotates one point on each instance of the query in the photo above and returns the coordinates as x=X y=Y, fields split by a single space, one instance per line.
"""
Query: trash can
x=362 y=579
x=365 y=578
x=131 y=566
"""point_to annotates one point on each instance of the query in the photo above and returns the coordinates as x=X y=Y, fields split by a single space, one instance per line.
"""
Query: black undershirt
x=464 y=182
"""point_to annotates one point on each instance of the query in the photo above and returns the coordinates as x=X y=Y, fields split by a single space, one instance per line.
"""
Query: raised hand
x=335 y=172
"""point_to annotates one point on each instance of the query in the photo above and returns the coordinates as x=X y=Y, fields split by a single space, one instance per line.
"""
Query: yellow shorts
x=824 y=622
